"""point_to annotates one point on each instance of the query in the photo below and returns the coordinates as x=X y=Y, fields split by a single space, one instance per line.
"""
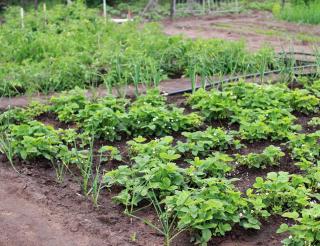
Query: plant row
x=190 y=181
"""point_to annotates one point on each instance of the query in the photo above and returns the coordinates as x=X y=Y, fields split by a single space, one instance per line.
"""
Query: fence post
x=22 y=17
x=204 y=6
x=105 y=10
x=172 y=8
x=45 y=13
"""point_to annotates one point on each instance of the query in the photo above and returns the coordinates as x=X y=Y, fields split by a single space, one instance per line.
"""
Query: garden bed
x=46 y=211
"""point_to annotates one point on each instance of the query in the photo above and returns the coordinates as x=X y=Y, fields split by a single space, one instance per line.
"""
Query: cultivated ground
x=255 y=28
x=36 y=210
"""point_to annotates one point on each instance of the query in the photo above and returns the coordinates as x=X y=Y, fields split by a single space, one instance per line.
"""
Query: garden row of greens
x=188 y=181
x=70 y=46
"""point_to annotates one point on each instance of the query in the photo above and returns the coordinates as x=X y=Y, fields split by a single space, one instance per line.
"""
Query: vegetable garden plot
x=52 y=53
x=190 y=183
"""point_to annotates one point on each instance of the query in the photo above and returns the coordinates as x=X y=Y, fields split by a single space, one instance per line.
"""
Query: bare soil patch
x=256 y=28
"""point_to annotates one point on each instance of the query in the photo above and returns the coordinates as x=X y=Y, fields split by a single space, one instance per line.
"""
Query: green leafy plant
x=314 y=122
x=103 y=122
x=303 y=102
x=305 y=146
x=281 y=192
x=213 y=104
x=161 y=148
x=68 y=104
x=35 y=140
x=145 y=176
x=159 y=121
x=216 y=165
x=270 y=156
x=210 y=210
x=276 y=124
x=306 y=231
x=203 y=142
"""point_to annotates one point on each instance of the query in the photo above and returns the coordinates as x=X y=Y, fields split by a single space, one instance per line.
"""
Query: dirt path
x=256 y=28
x=23 y=222
x=37 y=211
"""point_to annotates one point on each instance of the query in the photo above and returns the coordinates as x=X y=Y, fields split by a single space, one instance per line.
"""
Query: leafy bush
x=276 y=124
x=314 y=122
x=270 y=156
x=303 y=102
x=217 y=165
x=22 y=115
x=203 y=142
x=159 y=148
x=35 y=139
x=159 y=121
x=281 y=192
x=68 y=104
x=145 y=177
x=210 y=210
x=305 y=146
x=307 y=229
x=103 y=122
x=213 y=104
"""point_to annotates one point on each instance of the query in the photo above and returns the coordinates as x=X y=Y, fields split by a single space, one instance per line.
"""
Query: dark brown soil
x=37 y=210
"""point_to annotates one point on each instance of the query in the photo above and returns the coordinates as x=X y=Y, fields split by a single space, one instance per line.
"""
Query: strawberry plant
x=216 y=165
x=276 y=124
x=213 y=104
x=159 y=148
x=281 y=192
x=152 y=97
x=302 y=101
x=253 y=96
x=68 y=104
x=103 y=122
x=210 y=210
x=22 y=115
x=36 y=140
x=145 y=176
x=203 y=142
x=270 y=156
x=305 y=146
x=159 y=121
x=306 y=231
x=313 y=87
x=314 y=122
x=116 y=104
x=108 y=153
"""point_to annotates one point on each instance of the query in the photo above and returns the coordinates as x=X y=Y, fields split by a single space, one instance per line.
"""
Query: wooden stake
x=45 y=13
x=22 y=17
x=105 y=10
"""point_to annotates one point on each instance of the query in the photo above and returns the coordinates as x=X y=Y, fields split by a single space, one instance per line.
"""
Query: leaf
x=206 y=235
x=140 y=139
x=283 y=228
x=291 y=215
